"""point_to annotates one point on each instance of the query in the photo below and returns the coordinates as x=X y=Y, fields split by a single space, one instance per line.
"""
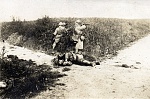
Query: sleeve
x=55 y=33
x=65 y=30
x=82 y=27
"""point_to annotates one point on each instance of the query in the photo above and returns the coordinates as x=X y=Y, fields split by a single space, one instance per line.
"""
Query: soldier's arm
x=86 y=24
x=55 y=33
x=83 y=27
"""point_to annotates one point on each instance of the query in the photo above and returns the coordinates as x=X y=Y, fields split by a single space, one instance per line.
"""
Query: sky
x=34 y=9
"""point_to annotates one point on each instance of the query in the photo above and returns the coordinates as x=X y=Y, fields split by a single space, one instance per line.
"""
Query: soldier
x=79 y=27
x=69 y=58
x=59 y=33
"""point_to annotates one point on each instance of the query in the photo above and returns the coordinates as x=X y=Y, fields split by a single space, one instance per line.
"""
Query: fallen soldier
x=69 y=58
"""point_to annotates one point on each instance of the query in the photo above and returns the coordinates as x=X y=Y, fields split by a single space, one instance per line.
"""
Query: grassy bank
x=103 y=36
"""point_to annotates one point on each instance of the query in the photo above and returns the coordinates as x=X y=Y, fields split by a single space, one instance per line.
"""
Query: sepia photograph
x=74 y=49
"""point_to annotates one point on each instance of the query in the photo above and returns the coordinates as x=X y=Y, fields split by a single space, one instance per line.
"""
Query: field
x=104 y=36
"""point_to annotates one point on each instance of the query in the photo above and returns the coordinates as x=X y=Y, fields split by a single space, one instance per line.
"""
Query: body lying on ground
x=69 y=58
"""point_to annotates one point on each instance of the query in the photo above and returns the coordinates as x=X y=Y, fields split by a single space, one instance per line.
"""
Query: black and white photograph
x=74 y=49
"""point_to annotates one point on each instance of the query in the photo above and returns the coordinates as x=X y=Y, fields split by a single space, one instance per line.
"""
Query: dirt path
x=23 y=53
x=106 y=81
x=110 y=80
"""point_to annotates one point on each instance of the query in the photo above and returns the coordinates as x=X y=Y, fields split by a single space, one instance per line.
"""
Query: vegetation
x=24 y=78
x=103 y=36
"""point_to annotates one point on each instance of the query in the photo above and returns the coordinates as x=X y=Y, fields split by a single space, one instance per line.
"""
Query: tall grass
x=103 y=36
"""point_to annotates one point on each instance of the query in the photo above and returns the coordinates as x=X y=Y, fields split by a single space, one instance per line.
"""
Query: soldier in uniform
x=69 y=58
x=78 y=35
x=59 y=32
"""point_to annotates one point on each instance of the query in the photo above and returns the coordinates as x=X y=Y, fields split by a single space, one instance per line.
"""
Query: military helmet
x=62 y=24
x=78 y=21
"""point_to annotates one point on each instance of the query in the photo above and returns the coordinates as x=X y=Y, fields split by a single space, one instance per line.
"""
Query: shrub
x=25 y=78
x=103 y=36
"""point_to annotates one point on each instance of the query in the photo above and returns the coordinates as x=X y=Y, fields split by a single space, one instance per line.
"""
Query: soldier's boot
x=89 y=63
x=93 y=64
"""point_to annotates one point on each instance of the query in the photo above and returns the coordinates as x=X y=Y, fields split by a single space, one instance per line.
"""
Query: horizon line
x=18 y=19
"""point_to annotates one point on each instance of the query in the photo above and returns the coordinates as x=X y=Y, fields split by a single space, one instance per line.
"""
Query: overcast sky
x=33 y=9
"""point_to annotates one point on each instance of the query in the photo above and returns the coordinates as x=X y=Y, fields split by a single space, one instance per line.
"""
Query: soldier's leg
x=76 y=50
x=88 y=63
x=66 y=56
x=54 y=45
x=55 y=42
x=77 y=47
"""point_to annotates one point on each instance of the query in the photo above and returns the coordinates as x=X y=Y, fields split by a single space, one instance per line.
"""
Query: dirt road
x=24 y=53
x=110 y=80
x=106 y=81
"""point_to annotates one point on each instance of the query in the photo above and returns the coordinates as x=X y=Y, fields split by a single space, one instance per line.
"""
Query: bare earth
x=106 y=81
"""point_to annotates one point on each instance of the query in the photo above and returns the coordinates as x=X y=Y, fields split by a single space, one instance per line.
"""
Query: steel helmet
x=78 y=21
x=62 y=24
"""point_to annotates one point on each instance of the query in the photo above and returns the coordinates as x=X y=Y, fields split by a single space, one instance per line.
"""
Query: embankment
x=104 y=36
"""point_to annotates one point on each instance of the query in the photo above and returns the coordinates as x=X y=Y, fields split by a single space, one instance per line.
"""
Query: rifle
x=86 y=24
x=69 y=28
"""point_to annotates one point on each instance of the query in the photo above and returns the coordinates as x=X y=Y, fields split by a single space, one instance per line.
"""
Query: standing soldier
x=59 y=32
x=78 y=35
